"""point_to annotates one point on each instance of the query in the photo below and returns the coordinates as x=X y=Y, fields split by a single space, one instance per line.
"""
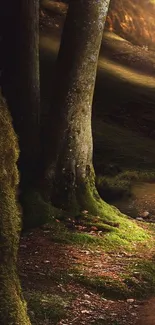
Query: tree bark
x=74 y=178
x=29 y=90
x=20 y=80
x=12 y=305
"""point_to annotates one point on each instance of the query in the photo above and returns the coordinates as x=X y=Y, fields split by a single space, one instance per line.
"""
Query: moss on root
x=36 y=211
x=12 y=305
x=118 y=229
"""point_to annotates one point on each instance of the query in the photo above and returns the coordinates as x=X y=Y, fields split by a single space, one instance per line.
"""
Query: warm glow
x=133 y=20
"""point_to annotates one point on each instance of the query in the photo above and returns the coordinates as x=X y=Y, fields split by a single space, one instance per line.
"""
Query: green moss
x=104 y=285
x=12 y=306
x=128 y=236
x=126 y=231
x=61 y=234
x=137 y=280
x=118 y=230
x=36 y=211
x=44 y=307
x=142 y=277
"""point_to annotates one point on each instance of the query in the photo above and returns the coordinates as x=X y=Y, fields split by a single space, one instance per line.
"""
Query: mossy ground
x=63 y=265
x=46 y=307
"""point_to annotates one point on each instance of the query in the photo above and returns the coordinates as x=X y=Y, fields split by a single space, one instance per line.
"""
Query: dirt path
x=147 y=313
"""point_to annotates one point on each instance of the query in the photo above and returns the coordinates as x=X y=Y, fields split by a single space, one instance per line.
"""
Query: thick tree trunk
x=74 y=178
x=20 y=79
x=12 y=305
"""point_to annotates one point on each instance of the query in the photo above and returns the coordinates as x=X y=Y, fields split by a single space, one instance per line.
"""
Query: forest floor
x=70 y=284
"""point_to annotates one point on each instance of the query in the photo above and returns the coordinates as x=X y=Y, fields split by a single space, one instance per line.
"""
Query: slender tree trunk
x=29 y=90
x=12 y=305
x=74 y=178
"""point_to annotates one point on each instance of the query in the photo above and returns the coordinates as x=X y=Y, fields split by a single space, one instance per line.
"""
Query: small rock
x=101 y=317
x=130 y=300
x=85 y=311
x=144 y=214
x=139 y=219
x=86 y=296
x=134 y=314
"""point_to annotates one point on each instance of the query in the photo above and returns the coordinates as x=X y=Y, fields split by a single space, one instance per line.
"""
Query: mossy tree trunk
x=74 y=178
x=12 y=305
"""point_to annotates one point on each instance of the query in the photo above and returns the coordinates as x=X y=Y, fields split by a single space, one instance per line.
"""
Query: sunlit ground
x=51 y=45
x=126 y=74
x=132 y=20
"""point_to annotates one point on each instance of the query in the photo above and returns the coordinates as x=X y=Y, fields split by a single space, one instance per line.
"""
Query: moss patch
x=45 y=307
x=12 y=307
x=36 y=211
x=106 y=286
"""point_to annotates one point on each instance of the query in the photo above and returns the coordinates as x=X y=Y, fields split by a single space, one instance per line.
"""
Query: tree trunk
x=20 y=81
x=29 y=90
x=12 y=305
x=74 y=178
